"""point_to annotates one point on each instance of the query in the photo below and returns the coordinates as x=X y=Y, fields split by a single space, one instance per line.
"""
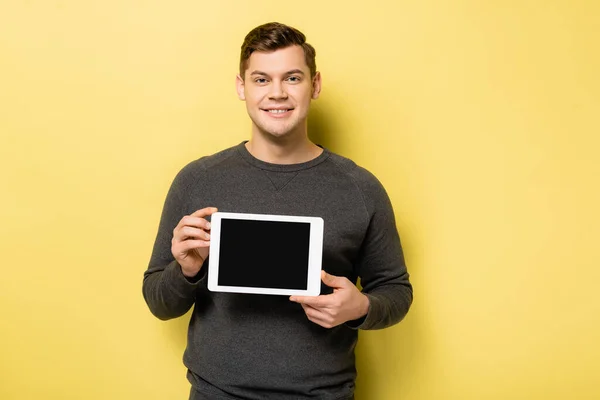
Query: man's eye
x=294 y=79
x=260 y=80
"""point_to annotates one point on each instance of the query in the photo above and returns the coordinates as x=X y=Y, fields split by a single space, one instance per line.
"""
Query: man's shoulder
x=198 y=167
x=209 y=161
x=359 y=174
x=371 y=188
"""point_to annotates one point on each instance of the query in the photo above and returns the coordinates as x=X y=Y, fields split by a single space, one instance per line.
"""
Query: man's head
x=275 y=36
x=278 y=79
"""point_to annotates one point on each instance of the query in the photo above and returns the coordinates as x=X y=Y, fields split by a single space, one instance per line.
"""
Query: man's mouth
x=277 y=111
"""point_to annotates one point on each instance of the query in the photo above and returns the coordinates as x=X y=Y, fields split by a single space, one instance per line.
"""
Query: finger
x=324 y=323
x=187 y=245
x=306 y=308
x=318 y=317
x=204 y=212
x=312 y=313
x=188 y=232
x=194 y=233
x=313 y=301
x=195 y=222
x=334 y=281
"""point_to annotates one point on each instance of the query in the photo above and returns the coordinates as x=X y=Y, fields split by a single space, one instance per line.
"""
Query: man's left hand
x=346 y=303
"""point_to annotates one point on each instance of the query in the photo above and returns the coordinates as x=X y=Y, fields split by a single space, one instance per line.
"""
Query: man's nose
x=277 y=91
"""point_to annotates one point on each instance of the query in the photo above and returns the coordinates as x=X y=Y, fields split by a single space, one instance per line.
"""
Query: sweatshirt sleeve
x=381 y=266
x=168 y=293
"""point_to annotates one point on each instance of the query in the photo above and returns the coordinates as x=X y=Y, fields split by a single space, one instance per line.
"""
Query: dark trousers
x=195 y=395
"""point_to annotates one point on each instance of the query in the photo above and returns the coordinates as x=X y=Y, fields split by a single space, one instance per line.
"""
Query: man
x=243 y=346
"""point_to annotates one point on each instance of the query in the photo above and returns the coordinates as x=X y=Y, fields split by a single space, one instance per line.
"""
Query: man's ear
x=316 y=86
x=239 y=84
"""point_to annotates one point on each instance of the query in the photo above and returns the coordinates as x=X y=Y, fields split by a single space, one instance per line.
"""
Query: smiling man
x=278 y=87
x=273 y=347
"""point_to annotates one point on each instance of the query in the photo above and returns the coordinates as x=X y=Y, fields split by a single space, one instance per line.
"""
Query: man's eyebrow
x=293 y=71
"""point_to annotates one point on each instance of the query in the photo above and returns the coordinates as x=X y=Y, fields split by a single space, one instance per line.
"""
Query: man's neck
x=283 y=151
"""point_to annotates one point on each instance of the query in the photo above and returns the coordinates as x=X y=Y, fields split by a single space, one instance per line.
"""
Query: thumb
x=332 y=280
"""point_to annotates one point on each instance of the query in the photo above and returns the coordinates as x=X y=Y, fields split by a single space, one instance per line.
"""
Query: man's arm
x=381 y=266
x=168 y=293
x=387 y=292
x=175 y=270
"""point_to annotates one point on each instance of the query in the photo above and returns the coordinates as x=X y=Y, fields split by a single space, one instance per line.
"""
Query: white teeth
x=277 y=111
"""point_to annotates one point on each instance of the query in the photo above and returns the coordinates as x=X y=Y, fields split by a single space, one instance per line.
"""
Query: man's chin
x=279 y=131
x=277 y=136
x=275 y=133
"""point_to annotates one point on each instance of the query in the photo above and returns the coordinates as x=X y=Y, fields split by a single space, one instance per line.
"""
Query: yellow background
x=481 y=118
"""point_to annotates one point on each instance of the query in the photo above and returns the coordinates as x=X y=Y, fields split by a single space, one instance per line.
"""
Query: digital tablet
x=265 y=254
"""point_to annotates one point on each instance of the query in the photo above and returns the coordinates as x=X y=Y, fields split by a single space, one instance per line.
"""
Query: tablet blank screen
x=266 y=254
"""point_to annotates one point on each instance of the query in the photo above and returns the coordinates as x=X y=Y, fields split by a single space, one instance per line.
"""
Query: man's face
x=278 y=89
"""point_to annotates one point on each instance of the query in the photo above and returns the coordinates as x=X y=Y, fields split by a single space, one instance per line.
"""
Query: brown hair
x=274 y=36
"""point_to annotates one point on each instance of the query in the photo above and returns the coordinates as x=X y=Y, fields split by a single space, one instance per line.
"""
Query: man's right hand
x=191 y=241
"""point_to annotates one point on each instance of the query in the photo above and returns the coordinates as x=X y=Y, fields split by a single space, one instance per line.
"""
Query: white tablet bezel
x=315 y=254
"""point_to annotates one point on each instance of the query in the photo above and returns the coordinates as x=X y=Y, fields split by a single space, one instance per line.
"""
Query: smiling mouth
x=277 y=111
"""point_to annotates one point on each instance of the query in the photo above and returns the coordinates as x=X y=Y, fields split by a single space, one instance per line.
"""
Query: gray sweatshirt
x=248 y=346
